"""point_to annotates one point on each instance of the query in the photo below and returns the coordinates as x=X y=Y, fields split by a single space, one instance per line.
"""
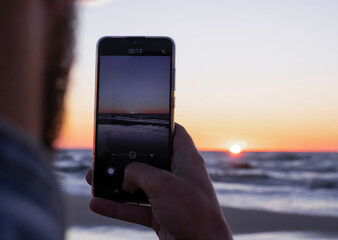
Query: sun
x=235 y=149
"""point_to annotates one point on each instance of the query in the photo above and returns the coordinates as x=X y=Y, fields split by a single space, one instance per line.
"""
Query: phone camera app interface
x=133 y=119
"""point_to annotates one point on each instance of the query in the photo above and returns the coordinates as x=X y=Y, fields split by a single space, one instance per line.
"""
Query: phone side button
x=174 y=78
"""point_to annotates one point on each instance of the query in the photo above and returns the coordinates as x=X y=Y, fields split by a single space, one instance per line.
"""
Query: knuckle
x=130 y=168
x=159 y=183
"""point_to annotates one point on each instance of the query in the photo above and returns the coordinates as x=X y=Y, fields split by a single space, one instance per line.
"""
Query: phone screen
x=133 y=121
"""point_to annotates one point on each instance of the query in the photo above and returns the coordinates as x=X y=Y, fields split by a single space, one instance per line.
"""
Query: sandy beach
x=241 y=221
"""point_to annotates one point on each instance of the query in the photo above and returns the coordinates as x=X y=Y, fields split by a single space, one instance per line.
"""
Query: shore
x=253 y=221
x=240 y=220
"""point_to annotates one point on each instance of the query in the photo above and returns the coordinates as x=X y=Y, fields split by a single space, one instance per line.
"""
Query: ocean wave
x=297 y=182
x=323 y=184
x=241 y=165
x=72 y=161
x=238 y=175
x=73 y=169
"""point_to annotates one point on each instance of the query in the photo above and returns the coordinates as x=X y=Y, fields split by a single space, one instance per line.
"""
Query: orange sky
x=267 y=79
x=255 y=133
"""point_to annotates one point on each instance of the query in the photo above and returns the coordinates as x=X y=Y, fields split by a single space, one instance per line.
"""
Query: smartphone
x=134 y=110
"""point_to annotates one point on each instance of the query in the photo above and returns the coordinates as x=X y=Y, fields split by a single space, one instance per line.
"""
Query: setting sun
x=235 y=149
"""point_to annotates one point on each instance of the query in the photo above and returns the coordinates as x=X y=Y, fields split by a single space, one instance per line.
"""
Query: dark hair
x=59 y=59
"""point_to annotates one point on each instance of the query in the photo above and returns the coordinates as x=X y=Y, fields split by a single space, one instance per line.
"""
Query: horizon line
x=226 y=150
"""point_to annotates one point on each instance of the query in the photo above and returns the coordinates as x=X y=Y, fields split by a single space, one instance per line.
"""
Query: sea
x=288 y=182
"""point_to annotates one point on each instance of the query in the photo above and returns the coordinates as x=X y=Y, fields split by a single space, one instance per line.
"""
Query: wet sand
x=240 y=220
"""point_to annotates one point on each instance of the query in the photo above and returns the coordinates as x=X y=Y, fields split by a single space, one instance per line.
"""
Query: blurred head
x=35 y=54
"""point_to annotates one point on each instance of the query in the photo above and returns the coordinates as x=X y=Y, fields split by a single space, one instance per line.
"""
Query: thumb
x=151 y=180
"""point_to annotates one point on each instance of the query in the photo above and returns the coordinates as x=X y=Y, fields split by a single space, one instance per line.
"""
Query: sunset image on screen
x=133 y=102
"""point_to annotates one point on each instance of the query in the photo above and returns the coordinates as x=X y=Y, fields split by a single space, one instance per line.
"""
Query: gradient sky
x=139 y=84
x=262 y=74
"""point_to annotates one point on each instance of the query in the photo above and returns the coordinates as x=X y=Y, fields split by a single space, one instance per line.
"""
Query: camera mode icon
x=110 y=171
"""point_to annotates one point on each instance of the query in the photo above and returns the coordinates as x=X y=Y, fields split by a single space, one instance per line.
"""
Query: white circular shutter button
x=132 y=154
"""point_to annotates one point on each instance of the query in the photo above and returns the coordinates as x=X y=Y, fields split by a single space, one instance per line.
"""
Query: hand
x=183 y=203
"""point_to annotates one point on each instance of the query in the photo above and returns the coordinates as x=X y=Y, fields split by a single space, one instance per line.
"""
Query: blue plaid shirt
x=30 y=200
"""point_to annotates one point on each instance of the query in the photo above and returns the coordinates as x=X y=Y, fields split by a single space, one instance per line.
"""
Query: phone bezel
x=152 y=46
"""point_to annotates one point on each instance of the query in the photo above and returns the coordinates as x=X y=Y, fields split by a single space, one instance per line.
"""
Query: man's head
x=36 y=41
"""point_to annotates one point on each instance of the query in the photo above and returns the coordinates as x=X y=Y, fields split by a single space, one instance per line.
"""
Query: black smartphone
x=134 y=110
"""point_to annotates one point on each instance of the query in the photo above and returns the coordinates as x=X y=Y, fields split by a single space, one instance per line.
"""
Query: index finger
x=186 y=157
